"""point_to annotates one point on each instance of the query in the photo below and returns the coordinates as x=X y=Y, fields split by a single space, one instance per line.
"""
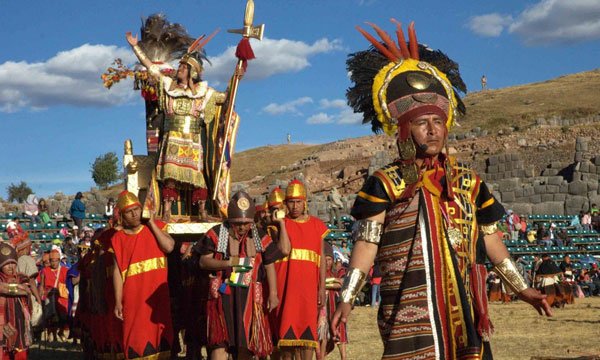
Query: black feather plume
x=164 y=41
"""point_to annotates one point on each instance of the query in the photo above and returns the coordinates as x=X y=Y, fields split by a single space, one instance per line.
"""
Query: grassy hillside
x=570 y=96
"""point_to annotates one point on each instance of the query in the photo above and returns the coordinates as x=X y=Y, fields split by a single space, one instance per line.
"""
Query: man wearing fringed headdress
x=188 y=104
x=429 y=220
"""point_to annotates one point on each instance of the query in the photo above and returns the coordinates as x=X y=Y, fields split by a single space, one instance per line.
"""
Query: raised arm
x=165 y=241
x=137 y=50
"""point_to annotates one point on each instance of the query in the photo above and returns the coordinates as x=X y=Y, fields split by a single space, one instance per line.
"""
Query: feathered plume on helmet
x=391 y=79
x=162 y=42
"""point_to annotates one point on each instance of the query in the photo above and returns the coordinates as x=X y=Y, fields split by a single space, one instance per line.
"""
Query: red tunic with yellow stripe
x=298 y=282
x=147 y=327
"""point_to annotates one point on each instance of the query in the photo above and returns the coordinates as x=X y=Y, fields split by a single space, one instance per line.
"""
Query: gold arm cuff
x=367 y=230
x=354 y=281
x=137 y=50
x=489 y=229
x=508 y=272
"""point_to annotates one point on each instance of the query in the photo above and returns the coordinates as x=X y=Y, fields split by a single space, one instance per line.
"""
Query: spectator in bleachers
x=553 y=233
x=43 y=211
x=513 y=224
x=594 y=209
x=595 y=277
x=344 y=249
x=30 y=208
x=109 y=208
x=562 y=238
x=523 y=229
x=543 y=236
x=576 y=221
x=586 y=221
x=587 y=285
x=77 y=210
x=13 y=228
x=566 y=266
x=70 y=250
x=522 y=267
x=596 y=220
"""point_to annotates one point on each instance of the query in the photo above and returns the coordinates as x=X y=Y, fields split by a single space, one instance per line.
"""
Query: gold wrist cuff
x=508 y=272
x=489 y=229
x=137 y=50
x=354 y=281
x=367 y=230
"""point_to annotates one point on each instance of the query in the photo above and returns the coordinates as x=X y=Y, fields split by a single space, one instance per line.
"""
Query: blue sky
x=56 y=118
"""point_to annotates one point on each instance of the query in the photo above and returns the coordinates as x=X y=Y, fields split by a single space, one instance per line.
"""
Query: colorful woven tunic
x=433 y=300
x=236 y=314
x=298 y=282
x=147 y=328
x=181 y=155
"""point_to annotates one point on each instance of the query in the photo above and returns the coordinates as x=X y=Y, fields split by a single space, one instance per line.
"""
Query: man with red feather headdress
x=429 y=220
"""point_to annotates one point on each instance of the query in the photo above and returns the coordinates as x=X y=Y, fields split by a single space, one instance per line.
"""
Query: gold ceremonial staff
x=248 y=31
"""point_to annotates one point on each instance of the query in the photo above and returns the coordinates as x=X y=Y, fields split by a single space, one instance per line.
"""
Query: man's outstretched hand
x=537 y=300
x=342 y=313
x=132 y=40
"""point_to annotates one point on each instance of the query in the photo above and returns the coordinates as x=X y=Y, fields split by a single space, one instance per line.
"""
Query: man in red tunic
x=300 y=276
x=140 y=282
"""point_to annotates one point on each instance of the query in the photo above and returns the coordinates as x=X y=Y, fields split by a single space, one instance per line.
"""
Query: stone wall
x=563 y=189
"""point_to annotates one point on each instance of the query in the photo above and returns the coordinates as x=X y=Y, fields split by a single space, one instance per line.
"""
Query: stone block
x=564 y=188
x=584 y=167
x=514 y=157
x=576 y=202
x=522 y=208
x=597 y=161
x=578 y=187
x=578 y=156
x=592 y=169
x=492 y=160
x=529 y=172
x=501 y=167
x=552 y=207
x=509 y=184
x=508 y=196
x=589 y=177
x=593 y=186
x=518 y=165
x=508 y=166
x=560 y=197
x=552 y=189
x=492 y=169
x=517 y=173
x=528 y=190
x=535 y=199
x=554 y=180
x=547 y=197
x=519 y=192
x=539 y=189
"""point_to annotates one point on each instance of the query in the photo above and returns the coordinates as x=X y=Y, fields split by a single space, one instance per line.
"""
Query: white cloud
x=343 y=114
x=71 y=77
x=320 y=118
x=336 y=103
x=290 y=107
x=546 y=22
x=559 y=21
x=349 y=117
x=272 y=57
x=489 y=25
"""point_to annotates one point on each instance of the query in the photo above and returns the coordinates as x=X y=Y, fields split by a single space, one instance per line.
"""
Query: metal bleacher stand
x=337 y=234
x=584 y=248
x=47 y=233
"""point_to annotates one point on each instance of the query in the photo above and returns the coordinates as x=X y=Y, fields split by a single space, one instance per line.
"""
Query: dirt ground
x=520 y=333
x=573 y=332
